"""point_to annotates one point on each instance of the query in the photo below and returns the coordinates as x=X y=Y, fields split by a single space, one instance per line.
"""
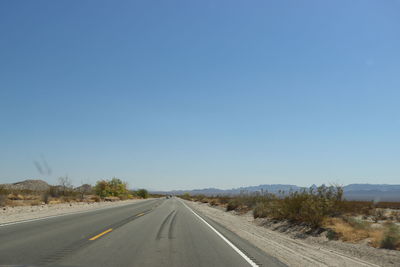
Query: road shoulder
x=12 y=215
x=293 y=252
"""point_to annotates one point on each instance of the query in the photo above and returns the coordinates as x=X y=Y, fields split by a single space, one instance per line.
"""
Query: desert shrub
x=214 y=202
x=45 y=197
x=312 y=212
x=292 y=205
x=200 y=198
x=84 y=189
x=4 y=191
x=309 y=206
x=223 y=199
x=186 y=196
x=65 y=186
x=261 y=210
x=142 y=193
x=356 y=207
x=332 y=235
x=67 y=199
x=233 y=205
x=54 y=191
x=204 y=200
x=391 y=238
x=3 y=200
x=123 y=197
x=395 y=216
x=96 y=198
x=378 y=214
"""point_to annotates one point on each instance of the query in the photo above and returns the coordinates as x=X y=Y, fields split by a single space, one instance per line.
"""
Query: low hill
x=31 y=185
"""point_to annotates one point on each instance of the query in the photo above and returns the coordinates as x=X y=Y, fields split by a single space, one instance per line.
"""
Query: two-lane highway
x=157 y=232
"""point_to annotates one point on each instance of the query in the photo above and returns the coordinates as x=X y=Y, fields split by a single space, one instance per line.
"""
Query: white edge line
x=252 y=263
x=63 y=214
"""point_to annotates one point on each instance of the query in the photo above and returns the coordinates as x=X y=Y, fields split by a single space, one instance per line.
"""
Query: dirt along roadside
x=305 y=251
x=23 y=213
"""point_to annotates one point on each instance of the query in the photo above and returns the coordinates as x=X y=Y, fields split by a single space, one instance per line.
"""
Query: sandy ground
x=22 y=213
x=306 y=251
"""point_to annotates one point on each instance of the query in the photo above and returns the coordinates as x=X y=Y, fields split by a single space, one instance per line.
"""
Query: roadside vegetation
x=322 y=210
x=113 y=189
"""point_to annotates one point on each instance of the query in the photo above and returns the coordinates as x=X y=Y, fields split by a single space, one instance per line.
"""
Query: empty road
x=156 y=232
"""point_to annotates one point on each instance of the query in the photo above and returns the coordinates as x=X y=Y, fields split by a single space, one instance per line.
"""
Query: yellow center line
x=140 y=214
x=101 y=234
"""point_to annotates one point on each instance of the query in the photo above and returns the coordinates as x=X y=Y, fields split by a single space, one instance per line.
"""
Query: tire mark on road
x=163 y=225
x=172 y=227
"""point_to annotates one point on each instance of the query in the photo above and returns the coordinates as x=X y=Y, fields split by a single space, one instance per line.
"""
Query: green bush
x=332 y=235
x=391 y=239
x=111 y=188
x=142 y=193
x=312 y=213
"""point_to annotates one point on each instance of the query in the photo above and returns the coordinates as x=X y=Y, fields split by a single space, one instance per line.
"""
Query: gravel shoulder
x=306 y=251
x=23 y=213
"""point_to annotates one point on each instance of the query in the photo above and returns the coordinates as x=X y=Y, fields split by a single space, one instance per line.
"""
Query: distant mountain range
x=368 y=192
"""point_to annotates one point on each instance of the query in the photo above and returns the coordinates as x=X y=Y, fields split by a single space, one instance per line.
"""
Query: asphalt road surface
x=156 y=232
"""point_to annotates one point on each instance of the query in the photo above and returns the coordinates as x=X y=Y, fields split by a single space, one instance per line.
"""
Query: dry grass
x=40 y=199
x=347 y=231
x=354 y=231
x=36 y=203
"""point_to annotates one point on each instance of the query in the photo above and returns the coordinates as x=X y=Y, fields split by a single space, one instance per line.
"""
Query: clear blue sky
x=192 y=94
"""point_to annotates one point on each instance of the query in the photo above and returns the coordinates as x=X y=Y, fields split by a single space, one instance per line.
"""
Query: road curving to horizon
x=155 y=232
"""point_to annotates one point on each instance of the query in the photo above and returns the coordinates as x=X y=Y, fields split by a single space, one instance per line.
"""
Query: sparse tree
x=65 y=184
x=83 y=190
